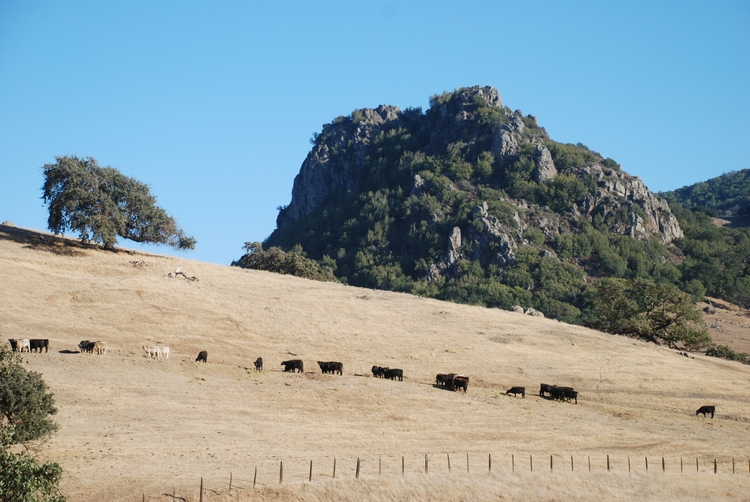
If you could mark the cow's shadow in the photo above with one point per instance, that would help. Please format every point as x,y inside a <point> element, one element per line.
<point>66,351</point>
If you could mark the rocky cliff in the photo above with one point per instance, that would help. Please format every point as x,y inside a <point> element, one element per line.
<point>476,119</point>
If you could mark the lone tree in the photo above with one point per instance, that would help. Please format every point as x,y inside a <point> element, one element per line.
<point>100,203</point>
<point>651,311</point>
<point>25,406</point>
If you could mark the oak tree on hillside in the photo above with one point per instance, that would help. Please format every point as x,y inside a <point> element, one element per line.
<point>651,311</point>
<point>100,203</point>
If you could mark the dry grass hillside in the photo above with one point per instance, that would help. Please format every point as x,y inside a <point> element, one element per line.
<point>129,425</point>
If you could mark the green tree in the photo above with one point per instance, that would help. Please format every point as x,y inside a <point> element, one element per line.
<point>651,311</point>
<point>25,406</point>
<point>100,203</point>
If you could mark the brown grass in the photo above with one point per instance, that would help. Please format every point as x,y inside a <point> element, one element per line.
<point>131,425</point>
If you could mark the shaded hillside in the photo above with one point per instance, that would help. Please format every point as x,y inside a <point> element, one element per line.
<point>473,203</point>
<point>129,425</point>
<point>727,195</point>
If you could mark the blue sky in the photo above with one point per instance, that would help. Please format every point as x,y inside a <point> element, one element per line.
<point>213,103</point>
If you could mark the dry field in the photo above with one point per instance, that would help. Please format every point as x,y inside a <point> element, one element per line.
<point>129,425</point>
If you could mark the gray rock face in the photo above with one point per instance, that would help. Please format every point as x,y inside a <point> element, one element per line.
<point>449,259</point>
<point>495,242</point>
<point>319,175</point>
<point>517,308</point>
<point>617,188</point>
<point>545,167</point>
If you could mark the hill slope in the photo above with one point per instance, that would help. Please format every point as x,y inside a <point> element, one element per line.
<point>131,425</point>
<point>727,195</point>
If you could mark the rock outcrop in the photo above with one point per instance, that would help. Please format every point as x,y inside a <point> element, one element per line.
<point>334,166</point>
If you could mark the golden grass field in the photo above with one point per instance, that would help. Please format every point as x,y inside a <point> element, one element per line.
<point>129,425</point>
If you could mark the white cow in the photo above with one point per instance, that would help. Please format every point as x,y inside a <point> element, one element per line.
<point>164,352</point>
<point>24,343</point>
<point>156,351</point>
<point>99,347</point>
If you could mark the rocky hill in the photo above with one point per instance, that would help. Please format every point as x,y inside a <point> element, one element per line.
<point>472,202</point>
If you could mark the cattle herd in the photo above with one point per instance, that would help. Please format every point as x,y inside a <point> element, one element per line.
<point>448,381</point>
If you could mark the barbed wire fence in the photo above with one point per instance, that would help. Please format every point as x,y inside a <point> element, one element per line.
<point>375,466</point>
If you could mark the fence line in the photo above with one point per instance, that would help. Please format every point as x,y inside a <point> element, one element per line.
<point>601,464</point>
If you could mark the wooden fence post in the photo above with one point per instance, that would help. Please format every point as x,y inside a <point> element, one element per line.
<point>696,464</point>
<point>174,492</point>
<point>531,463</point>
<point>449,462</point>
<point>628,463</point>
<point>714,466</point>
<point>426,467</point>
<point>334,467</point>
<point>357,468</point>
<point>732,465</point>
<point>490,464</point>
<point>607,462</point>
<point>144,497</point>
<point>467,463</point>
<point>646,464</point>
<point>589,463</point>
<point>513,462</point>
<point>550,463</point>
<point>571,463</point>
<point>255,476</point>
<point>663,465</point>
<point>380,465</point>
<point>281,471</point>
<point>230,481</point>
<point>402,465</point>
<point>680,464</point>
<point>310,478</point>
<point>201,492</point>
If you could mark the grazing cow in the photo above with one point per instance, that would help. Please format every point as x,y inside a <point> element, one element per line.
<point>24,344</point>
<point>152,351</point>
<point>332,367</point>
<point>37,344</point>
<point>460,382</point>
<point>517,390</point>
<point>86,346</point>
<point>444,380</point>
<point>13,344</point>
<point>706,410</point>
<point>258,364</point>
<point>569,394</point>
<point>546,388</point>
<point>292,365</point>
<point>99,348</point>
<point>202,357</point>
<point>394,374</point>
<point>381,371</point>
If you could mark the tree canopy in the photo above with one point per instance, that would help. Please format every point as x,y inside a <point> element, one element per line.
<point>101,204</point>
<point>25,407</point>
<point>649,310</point>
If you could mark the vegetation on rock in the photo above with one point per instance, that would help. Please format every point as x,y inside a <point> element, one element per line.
<point>100,203</point>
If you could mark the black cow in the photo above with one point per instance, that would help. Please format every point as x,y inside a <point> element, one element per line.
<point>13,344</point>
<point>332,367</point>
<point>569,394</point>
<point>202,357</point>
<point>394,374</point>
<point>86,346</point>
<point>39,344</point>
<point>706,410</point>
<point>379,371</point>
<point>546,389</point>
<point>258,364</point>
<point>292,365</point>
<point>517,390</point>
<point>444,380</point>
<point>460,382</point>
